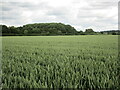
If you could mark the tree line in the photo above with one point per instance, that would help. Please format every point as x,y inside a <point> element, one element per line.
<point>46,29</point>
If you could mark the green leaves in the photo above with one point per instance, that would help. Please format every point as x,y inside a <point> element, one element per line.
<point>60,62</point>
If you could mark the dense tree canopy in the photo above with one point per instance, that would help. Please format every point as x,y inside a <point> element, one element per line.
<point>48,29</point>
<point>40,29</point>
<point>89,31</point>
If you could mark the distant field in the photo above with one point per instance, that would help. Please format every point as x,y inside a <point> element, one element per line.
<point>60,61</point>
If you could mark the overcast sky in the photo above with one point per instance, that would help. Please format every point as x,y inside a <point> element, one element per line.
<point>99,15</point>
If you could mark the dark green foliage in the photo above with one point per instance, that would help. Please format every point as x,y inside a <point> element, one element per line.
<point>111,32</point>
<point>80,33</point>
<point>89,31</point>
<point>48,29</point>
<point>5,29</point>
<point>40,29</point>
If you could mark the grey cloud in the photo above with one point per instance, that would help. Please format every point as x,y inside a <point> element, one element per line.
<point>58,11</point>
<point>100,5</point>
<point>103,5</point>
<point>43,12</point>
<point>7,6</point>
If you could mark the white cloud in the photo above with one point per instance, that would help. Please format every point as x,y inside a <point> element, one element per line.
<point>82,14</point>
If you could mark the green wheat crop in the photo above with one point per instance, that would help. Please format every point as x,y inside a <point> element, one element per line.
<point>60,61</point>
